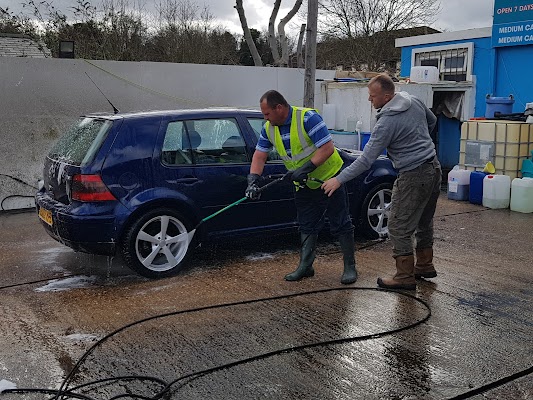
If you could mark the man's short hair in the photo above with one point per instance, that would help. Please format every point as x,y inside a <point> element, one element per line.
<point>273,98</point>
<point>386,83</point>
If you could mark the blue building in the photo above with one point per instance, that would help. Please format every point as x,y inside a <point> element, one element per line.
<point>494,61</point>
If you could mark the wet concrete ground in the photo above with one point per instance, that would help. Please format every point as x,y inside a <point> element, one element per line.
<point>314,339</point>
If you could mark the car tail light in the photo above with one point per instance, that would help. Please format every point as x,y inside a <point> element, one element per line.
<point>90,188</point>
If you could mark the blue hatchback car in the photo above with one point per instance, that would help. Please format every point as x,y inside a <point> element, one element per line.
<point>136,183</point>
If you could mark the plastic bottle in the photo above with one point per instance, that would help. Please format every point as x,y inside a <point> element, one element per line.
<point>476,187</point>
<point>522,195</point>
<point>358,127</point>
<point>527,167</point>
<point>350,124</point>
<point>458,183</point>
<point>496,191</point>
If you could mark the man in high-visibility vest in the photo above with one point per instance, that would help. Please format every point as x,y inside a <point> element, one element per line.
<point>303,142</point>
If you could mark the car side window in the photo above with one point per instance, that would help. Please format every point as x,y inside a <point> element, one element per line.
<point>176,149</point>
<point>257,125</point>
<point>215,141</point>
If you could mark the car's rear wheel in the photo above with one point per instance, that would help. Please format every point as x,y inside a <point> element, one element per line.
<point>157,244</point>
<point>375,211</point>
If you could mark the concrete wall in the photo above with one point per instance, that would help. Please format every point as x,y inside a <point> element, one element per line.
<point>40,98</point>
<point>351,101</point>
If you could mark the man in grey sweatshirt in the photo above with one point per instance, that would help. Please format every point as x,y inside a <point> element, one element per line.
<point>403,127</point>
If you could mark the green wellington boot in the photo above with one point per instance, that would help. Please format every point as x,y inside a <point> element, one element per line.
<point>348,253</point>
<point>307,256</point>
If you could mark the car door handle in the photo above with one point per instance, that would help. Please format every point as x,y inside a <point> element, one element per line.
<point>186,180</point>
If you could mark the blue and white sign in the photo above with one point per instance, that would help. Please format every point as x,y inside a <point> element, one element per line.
<point>513,23</point>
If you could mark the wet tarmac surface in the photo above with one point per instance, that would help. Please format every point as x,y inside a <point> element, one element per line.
<point>229,326</point>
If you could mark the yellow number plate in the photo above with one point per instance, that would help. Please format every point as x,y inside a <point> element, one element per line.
<point>46,216</point>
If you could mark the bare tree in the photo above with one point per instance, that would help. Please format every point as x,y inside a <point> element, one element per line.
<point>247,34</point>
<point>124,30</point>
<point>361,33</point>
<point>272,37</point>
<point>281,30</point>
<point>10,23</point>
<point>299,62</point>
<point>187,33</point>
<point>355,18</point>
<point>283,40</point>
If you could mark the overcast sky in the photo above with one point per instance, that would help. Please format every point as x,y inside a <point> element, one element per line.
<point>455,14</point>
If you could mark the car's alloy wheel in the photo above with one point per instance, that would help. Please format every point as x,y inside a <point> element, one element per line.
<point>376,210</point>
<point>157,244</point>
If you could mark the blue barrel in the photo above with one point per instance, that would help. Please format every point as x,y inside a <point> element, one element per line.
<point>503,105</point>
<point>475,195</point>
<point>365,137</point>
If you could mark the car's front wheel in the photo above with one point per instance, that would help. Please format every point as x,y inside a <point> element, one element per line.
<point>375,211</point>
<point>157,244</point>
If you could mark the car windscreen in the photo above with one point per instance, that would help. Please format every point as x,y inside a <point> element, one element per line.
<point>81,142</point>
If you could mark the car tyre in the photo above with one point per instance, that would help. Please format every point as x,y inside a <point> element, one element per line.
<point>156,245</point>
<point>375,212</point>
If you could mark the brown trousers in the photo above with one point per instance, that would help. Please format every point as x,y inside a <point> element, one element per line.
<point>414,200</point>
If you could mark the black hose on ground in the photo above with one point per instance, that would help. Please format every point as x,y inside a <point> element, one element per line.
<point>15,195</point>
<point>64,392</point>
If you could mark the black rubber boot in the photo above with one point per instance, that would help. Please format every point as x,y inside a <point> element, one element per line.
<point>307,256</point>
<point>348,253</point>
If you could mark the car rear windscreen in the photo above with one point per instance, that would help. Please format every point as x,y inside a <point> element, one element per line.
<point>81,142</point>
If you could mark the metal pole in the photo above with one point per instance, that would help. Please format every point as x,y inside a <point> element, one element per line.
<point>310,54</point>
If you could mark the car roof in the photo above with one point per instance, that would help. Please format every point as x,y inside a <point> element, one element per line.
<point>200,112</point>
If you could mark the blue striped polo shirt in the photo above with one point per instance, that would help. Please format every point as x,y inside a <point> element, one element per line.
<point>314,126</point>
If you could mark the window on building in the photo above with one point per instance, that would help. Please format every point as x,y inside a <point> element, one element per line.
<point>454,63</point>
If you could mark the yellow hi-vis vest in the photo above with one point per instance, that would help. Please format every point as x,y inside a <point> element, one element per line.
<point>302,149</point>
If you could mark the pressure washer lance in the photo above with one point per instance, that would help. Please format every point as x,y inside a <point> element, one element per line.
<point>190,234</point>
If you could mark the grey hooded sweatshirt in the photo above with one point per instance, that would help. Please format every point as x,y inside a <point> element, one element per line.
<point>402,127</point>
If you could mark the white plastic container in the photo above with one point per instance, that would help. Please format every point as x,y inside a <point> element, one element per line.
<point>496,191</point>
<point>458,184</point>
<point>424,75</point>
<point>358,128</point>
<point>522,195</point>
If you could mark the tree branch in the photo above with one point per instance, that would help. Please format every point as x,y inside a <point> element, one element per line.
<point>248,35</point>
<point>272,40</point>
<point>281,31</point>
